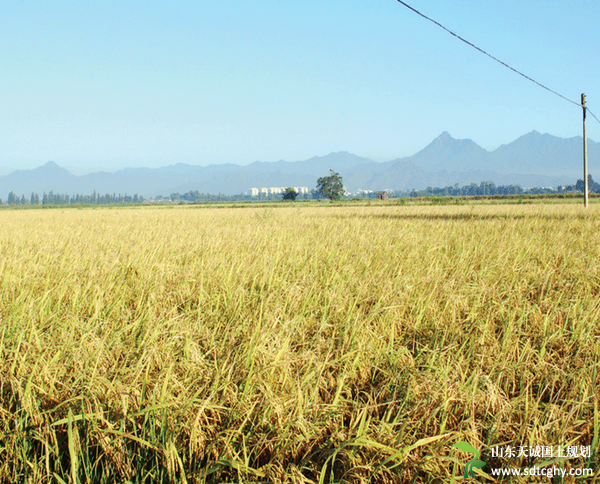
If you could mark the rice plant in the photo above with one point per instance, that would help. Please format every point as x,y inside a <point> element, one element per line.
<point>297,344</point>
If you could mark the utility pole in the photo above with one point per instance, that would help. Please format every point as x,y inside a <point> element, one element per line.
<point>585,164</point>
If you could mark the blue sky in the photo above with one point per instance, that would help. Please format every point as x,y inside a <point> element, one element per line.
<point>105,85</point>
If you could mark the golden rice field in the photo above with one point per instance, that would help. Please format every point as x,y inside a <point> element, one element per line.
<point>296,344</point>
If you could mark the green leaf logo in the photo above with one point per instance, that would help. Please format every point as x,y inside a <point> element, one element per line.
<point>473,463</point>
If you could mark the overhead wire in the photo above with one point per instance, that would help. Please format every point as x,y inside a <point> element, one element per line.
<point>491,56</point>
<point>593,115</point>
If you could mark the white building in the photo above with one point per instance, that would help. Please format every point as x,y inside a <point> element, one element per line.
<point>255,192</point>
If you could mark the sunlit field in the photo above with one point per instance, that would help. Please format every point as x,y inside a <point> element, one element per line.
<point>295,344</point>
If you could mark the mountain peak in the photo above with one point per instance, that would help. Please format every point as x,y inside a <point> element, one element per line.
<point>537,137</point>
<point>50,165</point>
<point>533,135</point>
<point>447,153</point>
<point>445,137</point>
<point>50,169</point>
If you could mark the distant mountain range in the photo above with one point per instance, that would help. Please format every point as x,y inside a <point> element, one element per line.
<point>532,160</point>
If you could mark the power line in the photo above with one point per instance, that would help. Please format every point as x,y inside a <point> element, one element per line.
<point>490,56</point>
<point>594,116</point>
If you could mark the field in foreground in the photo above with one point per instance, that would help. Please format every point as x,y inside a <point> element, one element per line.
<point>296,344</point>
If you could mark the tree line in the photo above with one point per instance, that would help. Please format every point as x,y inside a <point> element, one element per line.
<point>52,198</point>
<point>194,196</point>
<point>327,187</point>
<point>489,188</point>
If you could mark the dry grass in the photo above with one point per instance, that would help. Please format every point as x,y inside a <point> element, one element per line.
<point>296,344</point>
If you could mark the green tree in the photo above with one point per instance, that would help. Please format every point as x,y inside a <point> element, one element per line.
<point>331,186</point>
<point>290,194</point>
<point>592,185</point>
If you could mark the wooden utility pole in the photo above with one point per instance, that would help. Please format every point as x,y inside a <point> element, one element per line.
<point>585,164</point>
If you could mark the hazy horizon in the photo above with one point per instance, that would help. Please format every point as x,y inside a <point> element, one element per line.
<point>81,171</point>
